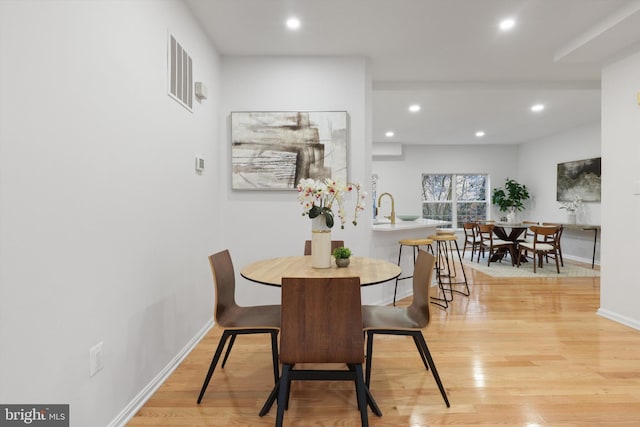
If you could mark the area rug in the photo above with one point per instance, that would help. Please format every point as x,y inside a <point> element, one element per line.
<point>504,269</point>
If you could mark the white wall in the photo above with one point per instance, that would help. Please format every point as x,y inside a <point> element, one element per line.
<point>620,206</point>
<point>402,176</point>
<point>263,224</point>
<point>537,167</point>
<point>105,225</point>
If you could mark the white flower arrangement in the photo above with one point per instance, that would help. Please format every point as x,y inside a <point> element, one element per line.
<point>318,197</point>
<point>573,205</point>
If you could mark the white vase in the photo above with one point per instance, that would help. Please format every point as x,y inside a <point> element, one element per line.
<point>571,218</point>
<point>320,243</point>
<point>511,216</point>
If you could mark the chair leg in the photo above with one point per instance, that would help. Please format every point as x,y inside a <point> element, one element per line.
<point>223,339</point>
<point>561,259</point>
<point>274,356</point>
<point>361,394</point>
<point>269,402</point>
<point>418,346</point>
<point>434,371</point>
<point>226,354</point>
<point>369,357</point>
<point>282,394</point>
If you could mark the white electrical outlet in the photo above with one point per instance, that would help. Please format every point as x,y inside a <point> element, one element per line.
<point>96,359</point>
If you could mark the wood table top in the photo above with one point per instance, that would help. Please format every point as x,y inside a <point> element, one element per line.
<point>271,271</point>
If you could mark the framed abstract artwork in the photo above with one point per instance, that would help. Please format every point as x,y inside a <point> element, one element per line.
<point>579,179</point>
<point>273,150</point>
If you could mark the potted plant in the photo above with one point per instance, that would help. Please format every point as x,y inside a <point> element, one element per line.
<point>510,198</point>
<point>342,256</point>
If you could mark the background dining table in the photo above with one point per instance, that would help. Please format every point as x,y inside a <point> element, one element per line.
<point>509,231</point>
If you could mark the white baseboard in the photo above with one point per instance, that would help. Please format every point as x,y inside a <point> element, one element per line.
<point>134,406</point>
<point>580,259</point>
<point>627,321</point>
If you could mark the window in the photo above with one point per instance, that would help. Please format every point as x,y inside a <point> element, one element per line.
<point>467,203</point>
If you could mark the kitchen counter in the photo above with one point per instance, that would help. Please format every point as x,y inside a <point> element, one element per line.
<point>407,225</point>
<point>384,245</point>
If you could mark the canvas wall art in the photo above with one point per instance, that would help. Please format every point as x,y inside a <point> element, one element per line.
<point>273,150</point>
<point>579,179</point>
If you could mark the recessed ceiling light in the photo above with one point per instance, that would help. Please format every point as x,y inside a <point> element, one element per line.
<point>389,134</point>
<point>507,24</point>
<point>480,133</point>
<point>293,23</point>
<point>537,108</point>
<point>414,108</point>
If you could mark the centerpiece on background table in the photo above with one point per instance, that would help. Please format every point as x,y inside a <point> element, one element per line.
<point>572,208</point>
<point>510,198</point>
<point>318,199</point>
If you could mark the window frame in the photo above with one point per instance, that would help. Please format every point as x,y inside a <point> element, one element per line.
<point>454,196</point>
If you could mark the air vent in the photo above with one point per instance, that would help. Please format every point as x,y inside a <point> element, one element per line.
<point>180,74</point>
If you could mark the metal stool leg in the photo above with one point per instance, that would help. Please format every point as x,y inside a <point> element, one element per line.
<point>440,273</point>
<point>464,275</point>
<point>415,246</point>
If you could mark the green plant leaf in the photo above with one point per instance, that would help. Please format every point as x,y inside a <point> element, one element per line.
<point>341,252</point>
<point>328,215</point>
<point>314,211</point>
<point>511,196</point>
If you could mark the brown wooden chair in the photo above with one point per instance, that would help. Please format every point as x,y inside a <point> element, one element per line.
<point>558,239</point>
<point>408,321</point>
<point>543,244</point>
<point>334,244</point>
<point>528,234</point>
<point>493,244</point>
<point>321,323</point>
<point>236,320</point>
<point>470,238</point>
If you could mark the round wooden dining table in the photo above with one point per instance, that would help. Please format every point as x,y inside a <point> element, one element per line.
<point>371,271</point>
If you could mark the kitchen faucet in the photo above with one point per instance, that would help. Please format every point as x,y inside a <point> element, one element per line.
<point>392,217</point>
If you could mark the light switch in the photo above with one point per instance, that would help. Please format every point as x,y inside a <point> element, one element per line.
<point>199,164</point>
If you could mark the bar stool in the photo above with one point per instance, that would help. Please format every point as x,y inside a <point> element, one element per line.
<point>415,244</point>
<point>446,242</point>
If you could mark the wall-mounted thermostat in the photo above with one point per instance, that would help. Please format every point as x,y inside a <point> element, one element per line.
<point>199,164</point>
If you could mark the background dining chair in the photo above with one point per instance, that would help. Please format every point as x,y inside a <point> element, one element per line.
<point>236,320</point>
<point>409,320</point>
<point>543,245</point>
<point>334,244</point>
<point>470,238</point>
<point>528,234</point>
<point>493,244</point>
<point>321,323</point>
<point>558,239</point>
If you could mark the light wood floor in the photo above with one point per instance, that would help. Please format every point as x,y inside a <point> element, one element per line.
<point>517,352</point>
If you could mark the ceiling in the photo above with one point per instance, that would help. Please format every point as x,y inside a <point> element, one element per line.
<point>448,56</point>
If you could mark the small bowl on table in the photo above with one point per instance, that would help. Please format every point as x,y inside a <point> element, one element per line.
<point>408,217</point>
